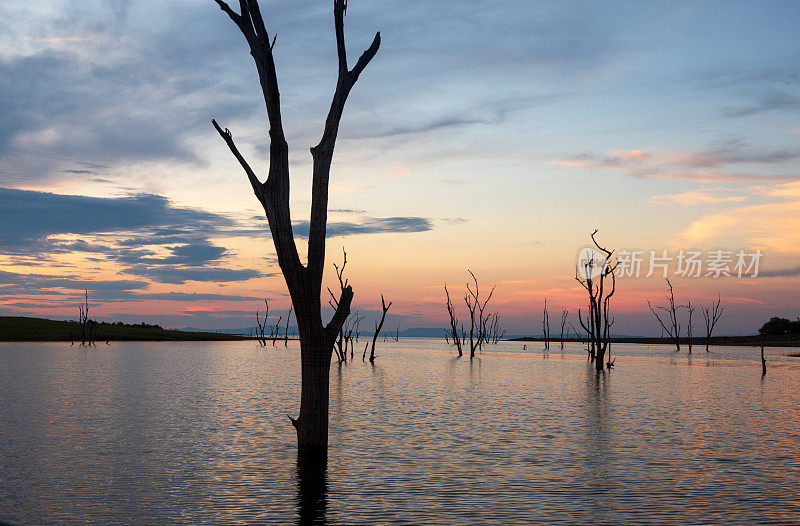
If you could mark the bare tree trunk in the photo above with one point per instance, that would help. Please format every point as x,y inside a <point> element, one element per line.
<point>600,319</point>
<point>711,316</point>
<point>546,327</point>
<point>303,281</point>
<point>673,328</point>
<point>286,332</point>
<point>453,322</point>
<point>763,362</point>
<point>475,307</point>
<point>378,327</point>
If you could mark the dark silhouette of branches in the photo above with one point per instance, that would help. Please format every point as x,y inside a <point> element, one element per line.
<point>476,307</point>
<point>711,316</point>
<point>546,327</point>
<point>594,280</point>
<point>671,325</point>
<point>286,330</point>
<point>378,327</point>
<point>457,340</point>
<point>303,281</point>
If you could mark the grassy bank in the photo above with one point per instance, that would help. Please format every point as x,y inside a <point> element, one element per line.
<point>23,329</point>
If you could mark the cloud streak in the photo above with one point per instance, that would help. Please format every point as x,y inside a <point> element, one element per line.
<point>712,164</point>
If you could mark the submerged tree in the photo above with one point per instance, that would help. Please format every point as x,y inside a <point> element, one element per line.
<point>711,316</point>
<point>87,326</point>
<point>378,327</point>
<point>546,326</point>
<point>451,311</point>
<point>262,325</point>
<point>476,307</point>
<point>593,278</point>
<point>564,315</point>
<point>689,327</point>
<point>286,331</point>
<point>303,281</point>
<point>671,326</point>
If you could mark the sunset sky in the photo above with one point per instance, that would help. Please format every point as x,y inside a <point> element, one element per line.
<point>492,135</point>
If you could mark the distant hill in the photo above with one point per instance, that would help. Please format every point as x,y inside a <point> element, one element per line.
<point>23,329</point>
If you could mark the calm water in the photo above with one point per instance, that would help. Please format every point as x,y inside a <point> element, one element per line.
<point>196,433</point>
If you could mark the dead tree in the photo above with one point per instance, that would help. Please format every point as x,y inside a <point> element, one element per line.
<point>276,331</point>
<point>588,327</point>
<point>600,294</point>
<point>262,326</point>
<point>351,332</point>
<point>711,315</point>
<point>546,327</point>
<point>671,326</point>
<point>690,309</point>
<point>564,314</point>
<point>286,331</point>
<point>763,361</point>
<point>83,319</point>
<point>495,331</point>
<point>457,340</point>
<point>476,308</point>
<point>303,281</point>
<point>397,333</point>
<point>378,327</point>
<point>341,352</point>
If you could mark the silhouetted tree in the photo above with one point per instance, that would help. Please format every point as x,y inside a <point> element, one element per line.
<point>564,314</point>
<point>286,331</point>
<point>780,327</point>
<point>689,327</point>
<point>546,327</point>
<point>599,320</point>
<point>303,281</point>
<point>671,326</point>
<point>477,329</point>
<point>341,344</point>
<point>378,327</point>
<point>262,325</point>
<point>457,340</point>
<point>495,332</point>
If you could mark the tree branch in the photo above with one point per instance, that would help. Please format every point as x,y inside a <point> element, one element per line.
<point>322,153</point>
<point>258,187</point>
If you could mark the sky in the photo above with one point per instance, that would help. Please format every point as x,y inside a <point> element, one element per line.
<point>493,136</point>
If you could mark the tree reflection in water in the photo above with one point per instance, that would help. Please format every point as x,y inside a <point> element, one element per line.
<point>312,488</point>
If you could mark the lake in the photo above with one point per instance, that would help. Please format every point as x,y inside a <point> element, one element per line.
<point>193,433</point>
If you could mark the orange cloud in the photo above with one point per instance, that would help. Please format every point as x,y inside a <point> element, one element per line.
<point>693,198</point>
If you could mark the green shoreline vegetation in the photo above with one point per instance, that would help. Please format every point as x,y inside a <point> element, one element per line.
<point>24,329</point>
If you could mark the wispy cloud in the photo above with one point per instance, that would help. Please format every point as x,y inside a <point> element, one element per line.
<point>694,198</point>
<point>713,164</point>
<point>776,100</point>
<point>370,225</point>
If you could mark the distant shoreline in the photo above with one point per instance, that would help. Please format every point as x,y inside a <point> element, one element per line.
<point>732,341</point>
<point>25,329</point>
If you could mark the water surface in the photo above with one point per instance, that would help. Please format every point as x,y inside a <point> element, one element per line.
<point>197,433</point>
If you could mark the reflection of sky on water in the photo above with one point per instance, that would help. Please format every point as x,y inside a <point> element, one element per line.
<point>196,432</point>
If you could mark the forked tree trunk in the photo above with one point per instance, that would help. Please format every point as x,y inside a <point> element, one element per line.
<point>303,281</point>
